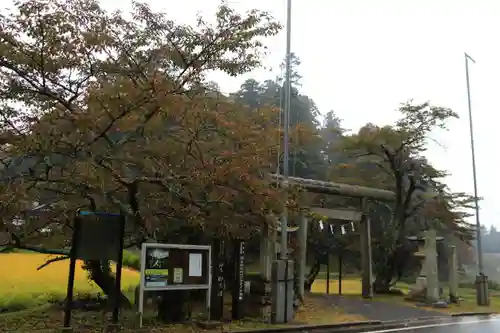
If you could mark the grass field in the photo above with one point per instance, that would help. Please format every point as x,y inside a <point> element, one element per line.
<point>22,286</point>
<point>350,286</point>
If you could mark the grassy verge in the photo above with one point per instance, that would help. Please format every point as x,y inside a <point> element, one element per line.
<point>352,287</point>
<point>467,303</point>
<point>47,319</point>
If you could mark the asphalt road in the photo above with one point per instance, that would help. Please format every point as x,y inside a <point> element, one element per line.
<point>460,325</point>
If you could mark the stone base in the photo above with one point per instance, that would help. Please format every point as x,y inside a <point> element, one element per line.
<point>419,290</point>
<point>417,293</point>
<point>420,283</point>
<point>482,292</point>
<point>420,296</point>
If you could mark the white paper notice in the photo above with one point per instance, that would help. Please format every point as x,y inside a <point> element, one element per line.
<point>195,264</point>
<point>177,275</point>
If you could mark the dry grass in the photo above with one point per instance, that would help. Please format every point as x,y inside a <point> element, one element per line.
<point>23,286</point>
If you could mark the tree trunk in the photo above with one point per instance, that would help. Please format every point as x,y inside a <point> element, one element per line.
<point>106,281</point>
<point>313,273</point>
<point>383,270</point>
<point>382,284</point>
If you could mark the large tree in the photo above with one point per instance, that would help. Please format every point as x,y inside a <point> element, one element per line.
<point>393,158</point>
<point>306,159</point>
<point>104,112</point>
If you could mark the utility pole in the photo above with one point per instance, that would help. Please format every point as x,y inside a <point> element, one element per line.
<point>481,280</point>
<point>286,129</point>
<point>282,280</point>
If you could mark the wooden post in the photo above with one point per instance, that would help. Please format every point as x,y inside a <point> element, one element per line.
<point>218,283</point>
<point>453,274</point>
<point>340,273</point>
<point>302,238</point>
<point>118,278</point>
<point>366,253</point>
<point>71,275</point>
<point>328,273</point>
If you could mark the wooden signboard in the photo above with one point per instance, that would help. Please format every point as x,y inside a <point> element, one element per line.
<point>167,267</point>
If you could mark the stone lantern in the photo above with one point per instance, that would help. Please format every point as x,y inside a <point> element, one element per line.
<point>426,287</point>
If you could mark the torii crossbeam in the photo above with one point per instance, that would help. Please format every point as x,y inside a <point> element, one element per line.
<point>353,191</point>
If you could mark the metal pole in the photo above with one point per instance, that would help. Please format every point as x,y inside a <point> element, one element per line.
<point>482,295</point>
<point>472,148</point>
<point>284,223</point>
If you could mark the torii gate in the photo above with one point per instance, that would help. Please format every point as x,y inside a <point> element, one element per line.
<point>330,188</point>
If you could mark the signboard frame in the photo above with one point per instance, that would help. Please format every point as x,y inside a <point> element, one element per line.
<point>187,247</point>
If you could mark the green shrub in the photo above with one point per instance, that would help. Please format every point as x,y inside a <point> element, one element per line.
<point>131,260</point>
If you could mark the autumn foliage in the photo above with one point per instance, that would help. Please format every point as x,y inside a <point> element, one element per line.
<point>116,114</point>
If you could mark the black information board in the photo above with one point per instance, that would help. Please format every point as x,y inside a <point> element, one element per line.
<point>98,236</point>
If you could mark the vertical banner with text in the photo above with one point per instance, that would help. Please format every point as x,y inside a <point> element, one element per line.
<point>218,282</point>
<point>239,290</point>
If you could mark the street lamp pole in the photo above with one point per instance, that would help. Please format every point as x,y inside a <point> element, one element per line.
<point>286,125</point>
<point>482,297</point>
<point>474,173</point>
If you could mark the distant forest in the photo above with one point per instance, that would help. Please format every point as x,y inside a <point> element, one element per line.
<point>491,240</point>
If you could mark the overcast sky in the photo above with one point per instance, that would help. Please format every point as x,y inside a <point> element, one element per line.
<point>361,58</point>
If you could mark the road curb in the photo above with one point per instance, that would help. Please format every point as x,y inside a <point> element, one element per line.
<point>354,327</point>
<point>302,328</point>
<point>387,325</point>
<point>416,319</point>
<point>470,314</point>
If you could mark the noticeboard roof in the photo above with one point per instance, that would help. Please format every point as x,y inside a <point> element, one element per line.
<point>87,213</point>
